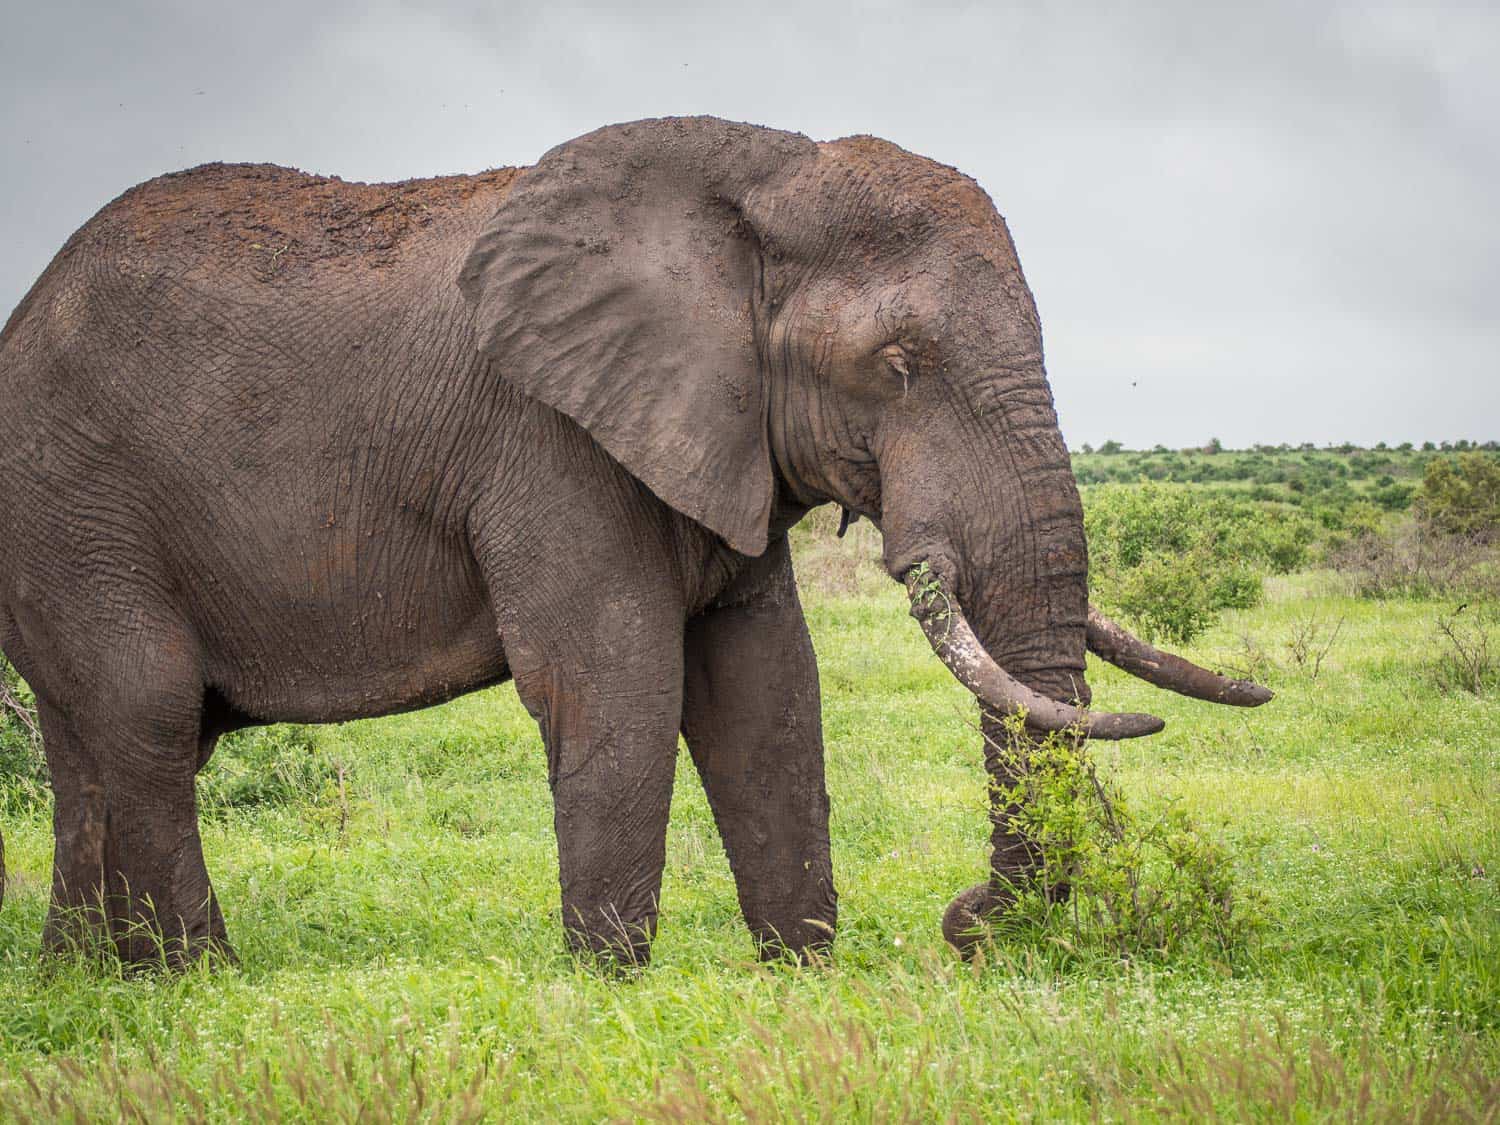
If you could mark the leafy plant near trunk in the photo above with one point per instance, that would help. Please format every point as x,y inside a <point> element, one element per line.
<point>1144,881</point>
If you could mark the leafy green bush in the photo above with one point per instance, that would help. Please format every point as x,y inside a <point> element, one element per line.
<point>1461,495</point>
<point>1392,496</point>
<point>1142,881</point>
<point>1175,597</point>
<point>1170,557</point>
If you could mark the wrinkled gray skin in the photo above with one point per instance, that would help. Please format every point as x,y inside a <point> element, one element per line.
<point>279,448</point>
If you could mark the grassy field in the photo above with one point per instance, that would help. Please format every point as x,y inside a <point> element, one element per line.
<point>391,887</point>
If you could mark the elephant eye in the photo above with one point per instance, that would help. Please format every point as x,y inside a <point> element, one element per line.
<point>895,356</point>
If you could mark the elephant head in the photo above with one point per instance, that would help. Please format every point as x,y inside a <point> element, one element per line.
<point>744,318</point>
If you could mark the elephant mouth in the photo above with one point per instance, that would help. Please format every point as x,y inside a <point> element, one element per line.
<point>953,640</point>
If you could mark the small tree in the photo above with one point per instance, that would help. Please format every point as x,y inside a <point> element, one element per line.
<point>1461,495</point>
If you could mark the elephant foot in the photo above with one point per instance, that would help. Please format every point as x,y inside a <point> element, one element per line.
<point>966,922</point>
<point>132,934</point>
<point>794,938</point>
<point>134,946</point>
<point>621,952</point>
<point>800,951</point>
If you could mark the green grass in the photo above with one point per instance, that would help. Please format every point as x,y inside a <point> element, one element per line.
<point>400,947</point>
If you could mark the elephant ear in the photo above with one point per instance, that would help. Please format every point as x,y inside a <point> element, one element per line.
<point>615,284</point>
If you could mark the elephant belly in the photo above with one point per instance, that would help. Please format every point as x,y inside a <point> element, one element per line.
<point>317,644</point>
<point>322,691</point>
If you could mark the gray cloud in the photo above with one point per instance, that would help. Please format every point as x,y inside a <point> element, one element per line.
<point>1267,223</point>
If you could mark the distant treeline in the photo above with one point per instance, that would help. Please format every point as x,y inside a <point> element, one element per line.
<point>1329,478</point>
<point>1214,446</point>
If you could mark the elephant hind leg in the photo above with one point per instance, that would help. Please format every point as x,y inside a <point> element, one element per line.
<point>122,729</point>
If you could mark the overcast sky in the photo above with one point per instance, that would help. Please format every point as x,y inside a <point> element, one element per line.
<point>1262,222</point>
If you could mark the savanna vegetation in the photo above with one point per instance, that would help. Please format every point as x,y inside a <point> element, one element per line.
<point>1284,914</point>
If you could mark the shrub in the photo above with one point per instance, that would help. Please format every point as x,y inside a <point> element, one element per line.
<point>1169,557</point>
<point>1416,561</point>
<point>1461,495</point>
<point>1393,497</point>
<point>1469,651</point>
<point>1142,882</point>
<point>1162,596</point>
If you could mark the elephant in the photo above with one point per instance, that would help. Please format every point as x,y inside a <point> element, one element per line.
<point>284,448</point>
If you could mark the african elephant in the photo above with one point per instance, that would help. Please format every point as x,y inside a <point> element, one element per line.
<point>284,448</point>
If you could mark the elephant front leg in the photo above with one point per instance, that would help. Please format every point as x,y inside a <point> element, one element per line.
<point>753,721</point>
<point>610,728</point>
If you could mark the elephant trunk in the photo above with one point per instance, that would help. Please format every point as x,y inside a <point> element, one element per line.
<point>999,588</point>
<point>984,526</point>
